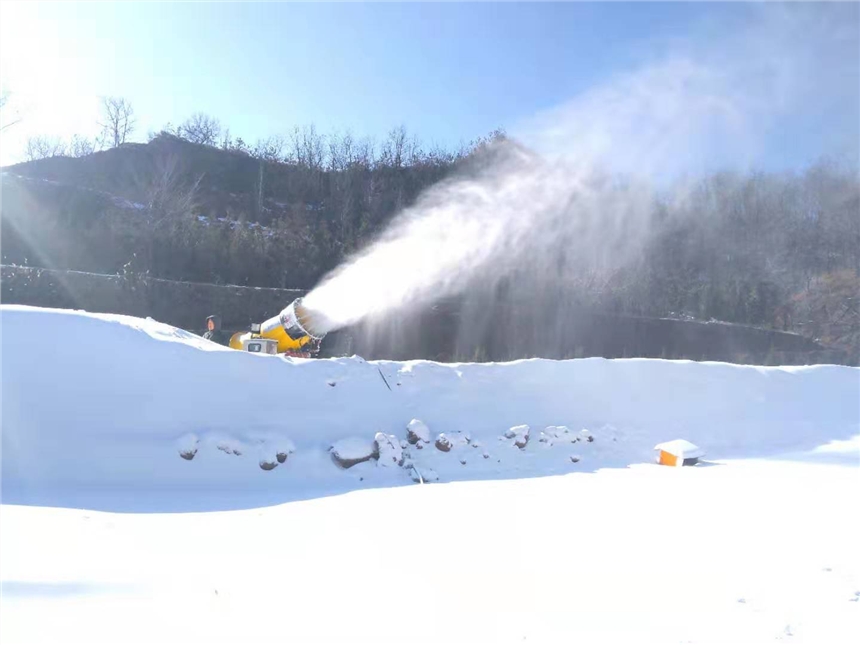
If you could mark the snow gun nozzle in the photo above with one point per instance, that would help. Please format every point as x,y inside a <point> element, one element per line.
<point>298,321</point>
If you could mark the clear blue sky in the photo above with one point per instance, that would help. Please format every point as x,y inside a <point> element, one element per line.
<point>449,72</point>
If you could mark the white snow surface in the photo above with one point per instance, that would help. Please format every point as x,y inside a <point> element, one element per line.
<point>104,538</point>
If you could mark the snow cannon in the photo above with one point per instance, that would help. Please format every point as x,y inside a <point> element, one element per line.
<point>295,330</point>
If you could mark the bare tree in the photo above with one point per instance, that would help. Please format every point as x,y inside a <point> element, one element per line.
<point>270,148</point>
<point>201,128</point>
<point>168,190</point>
<point>40,147</point>
<point>117,122</point>
<point>394,148</point>
<point>226,140</point>
<point>414,151</point>
<point>341,151</point>
<point>81,146</point>
<point>439,156</point>
<point>170,194</point>
<point>365,149</point>
<point>167,130</point>
<point>308,147</point>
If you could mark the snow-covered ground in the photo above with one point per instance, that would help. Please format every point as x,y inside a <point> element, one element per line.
<point>118,431</point>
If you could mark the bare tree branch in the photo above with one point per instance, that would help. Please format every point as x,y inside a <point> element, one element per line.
<point>117,121</point>
<point>201,128</point>
<point>81,146</point>
<point>270,149</point>
<point>40,147</point>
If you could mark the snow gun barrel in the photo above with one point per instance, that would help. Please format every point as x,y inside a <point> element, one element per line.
<point>294,328</point>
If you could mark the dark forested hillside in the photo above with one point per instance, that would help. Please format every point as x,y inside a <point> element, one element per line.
<point>774,250</point>
<point>189,211</point>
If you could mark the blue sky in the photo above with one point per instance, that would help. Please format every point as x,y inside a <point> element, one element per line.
<point>449,72</point>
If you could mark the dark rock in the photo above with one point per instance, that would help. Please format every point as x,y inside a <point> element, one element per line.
<point>265,464</point>
<point>443,443</point>
<point>349,462</point>
<point>520,435</point>
<point>188,454</point>
<point>417,432</point>
<point>387,449</point>
<point>282,457</point>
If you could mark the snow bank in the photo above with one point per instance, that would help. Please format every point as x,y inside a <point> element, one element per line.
<point>90,415</point>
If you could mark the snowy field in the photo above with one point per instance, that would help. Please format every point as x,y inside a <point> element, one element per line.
<point>560,531</point>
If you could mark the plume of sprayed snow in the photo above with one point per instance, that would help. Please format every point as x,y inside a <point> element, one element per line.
<point>517,209</point>
<point>556,213</point>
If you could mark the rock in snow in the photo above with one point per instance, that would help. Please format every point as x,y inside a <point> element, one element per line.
<point>520,435</point>
<point>388,450</point>
<point>352,450</point>
<point>443,443</point>
<point>417,431</point>
<point>187,446</point>
<point>268,457</point>
<point>550,434</point>
<point>268,464</point>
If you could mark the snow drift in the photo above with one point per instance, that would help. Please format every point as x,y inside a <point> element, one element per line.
<point>97,409</point>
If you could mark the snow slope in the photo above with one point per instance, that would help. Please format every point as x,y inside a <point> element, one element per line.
<point>767,554</point>
<point>96,409</point>
<point>757,544</point>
